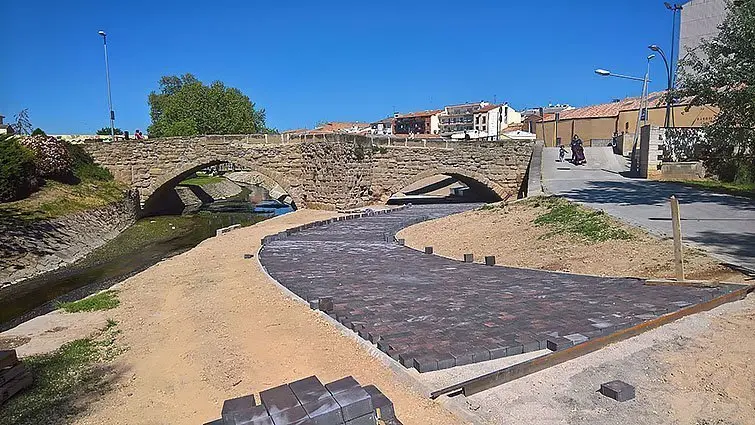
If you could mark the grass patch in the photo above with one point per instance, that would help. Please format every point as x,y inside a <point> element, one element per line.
<point>57,199</point>
<point>201,179</point>
<point>564,217</point>
<point>739,189</point>
<point>102,301</point>
<point>64,381</point>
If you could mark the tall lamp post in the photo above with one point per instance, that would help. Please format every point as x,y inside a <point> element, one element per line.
<point>642,114</point>
<point>674,9</point>
<point>669,88</point>
<point>109,96</point>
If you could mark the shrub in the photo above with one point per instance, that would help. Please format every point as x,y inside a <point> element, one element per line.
<point>18,174</point>
<point>83,165</point>
<point>38,132</point>
<point>51,157</point>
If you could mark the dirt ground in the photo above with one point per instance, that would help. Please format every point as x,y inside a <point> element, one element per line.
<point>510,235</point>
<point>209,325</point>
<point>698,370</point>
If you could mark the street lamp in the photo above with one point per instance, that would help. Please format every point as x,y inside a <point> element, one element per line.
<point>673,8</point>
<point>109,96</point>
<point>643,98</point>
<point>669,97</point>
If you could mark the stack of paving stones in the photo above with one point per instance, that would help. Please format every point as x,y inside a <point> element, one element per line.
<point>309,402</point>
<point>429,312</point>
<point>13,375</point>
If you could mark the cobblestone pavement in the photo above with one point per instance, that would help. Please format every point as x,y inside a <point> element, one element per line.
<point>431,312</point>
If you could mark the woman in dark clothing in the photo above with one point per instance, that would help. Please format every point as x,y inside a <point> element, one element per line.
<point>577,151</point>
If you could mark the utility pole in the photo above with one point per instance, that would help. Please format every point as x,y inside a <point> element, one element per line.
<point>109,95</point>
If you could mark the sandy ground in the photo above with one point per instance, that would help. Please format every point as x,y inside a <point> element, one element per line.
<point>510,235</point>
<point>698,370</point>
<point>209,325</point>
<point>47,333</point>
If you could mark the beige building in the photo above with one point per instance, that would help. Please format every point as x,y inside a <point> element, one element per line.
<point>459,118</point>
<point>597,124</point>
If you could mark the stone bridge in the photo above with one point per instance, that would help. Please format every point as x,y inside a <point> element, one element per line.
<point>322,171</point>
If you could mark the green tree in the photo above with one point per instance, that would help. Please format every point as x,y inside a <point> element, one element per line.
<point>722,73</point>
<point>184,106</point>
<point>23,123</point>
<point>105,131</point>
<point>38,132</point>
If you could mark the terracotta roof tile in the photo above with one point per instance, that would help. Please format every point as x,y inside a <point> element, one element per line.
<point>421,113</point>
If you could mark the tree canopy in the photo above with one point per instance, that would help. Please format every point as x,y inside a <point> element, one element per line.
<point>722,73</point>
<point>105,131</point>
<point>184,106</point>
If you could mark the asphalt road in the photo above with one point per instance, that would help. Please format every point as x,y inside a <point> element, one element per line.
<point>723,225</point>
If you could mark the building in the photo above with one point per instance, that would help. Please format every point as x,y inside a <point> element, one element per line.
<point>383,127</point>
<point>700,20</point>
<point>492,120</point>
<point>422,122</point>
<point>5,128</point>
<point>332,127</point>
<point>596,125</point>
<point>459,118</point>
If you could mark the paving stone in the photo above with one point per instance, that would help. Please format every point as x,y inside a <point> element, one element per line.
<point>237,405</point>
<point>428,250</point>
<point>382,404</point>
<point>309,390</point>
<point>490,260</point>
<point>497,353</point>
<point>368,419</point>
<point>617,390</point>
<point>341,385</point>
<point>324,411</point>
<point>292,416</point>
<point>559,343</point>
<point>355,402</point>
<point>256,415</point>
<point>278,399</point>
<point>425,364</point>
<point>469,258</point>
<point>434,304</point>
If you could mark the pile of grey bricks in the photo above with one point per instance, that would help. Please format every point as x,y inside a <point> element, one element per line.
<point>13,375</point>
<point>309,402</point>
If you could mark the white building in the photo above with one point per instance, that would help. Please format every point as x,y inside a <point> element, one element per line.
<point>492,120</point>
<point>700,20</point>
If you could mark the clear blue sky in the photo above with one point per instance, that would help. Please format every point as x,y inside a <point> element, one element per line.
<point>307,61</point>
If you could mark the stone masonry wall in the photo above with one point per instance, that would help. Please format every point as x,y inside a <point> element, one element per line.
<point>330,171</point>
<point>41,246</point>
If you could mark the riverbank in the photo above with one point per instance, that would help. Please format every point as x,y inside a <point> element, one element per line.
<point>208,325</point>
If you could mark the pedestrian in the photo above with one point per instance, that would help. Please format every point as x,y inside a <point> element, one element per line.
<point>577,151</point>
<point>561,153</point>
<point>138,135</point>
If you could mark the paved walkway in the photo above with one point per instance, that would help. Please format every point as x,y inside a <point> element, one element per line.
<point>723,225</point>
<point>432,313</point>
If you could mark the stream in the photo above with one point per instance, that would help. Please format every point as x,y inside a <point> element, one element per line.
<point>145,243</point>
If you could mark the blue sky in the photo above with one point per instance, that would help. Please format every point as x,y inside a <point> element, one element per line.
<point>307,61</point>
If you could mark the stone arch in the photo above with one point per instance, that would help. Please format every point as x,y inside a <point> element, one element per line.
<point>172,177</point>
<point>470,178</point>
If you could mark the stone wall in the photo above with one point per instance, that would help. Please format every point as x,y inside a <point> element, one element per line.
<point>28,249</point>
<point>324,171</point>
<point>221,190</point>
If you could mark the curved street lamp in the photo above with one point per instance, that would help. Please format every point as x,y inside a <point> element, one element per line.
<point>669,97</point>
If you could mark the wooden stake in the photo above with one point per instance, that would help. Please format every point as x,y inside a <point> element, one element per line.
<point>676,224</point>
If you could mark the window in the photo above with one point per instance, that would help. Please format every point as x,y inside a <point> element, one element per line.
<point>477,120</point>
<point>483,119</point>
<point>626,126</point>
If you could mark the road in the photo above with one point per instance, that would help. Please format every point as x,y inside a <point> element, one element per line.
<point>723,225</point>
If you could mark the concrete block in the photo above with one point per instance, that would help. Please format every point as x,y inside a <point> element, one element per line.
<point>428,250</point>
<point>257,415</point>
<point>490,260</point>
<point>248,256</point>
<point>235,405</point>
<point>355,402</point>
<point>401,241</point>
<point>480,355</point>
<point>341,385</point>
<point>463,358</point>
<point>314,304</point>
<point>278,399</point>
<point>558,343</point>
<point>497,353</point>
<point>309,390</point>
<point>425,364</point>
<point>617,390</point>
<point>514,349</point>
<point>326,304</point>
<point>290,416</point>
<point>368,419</point>
<point>446,362</point>
<point>324,411</point>
<point>576,338</point>
<point>7,358</point>
<point>469,258</point>
<point>382,404</point>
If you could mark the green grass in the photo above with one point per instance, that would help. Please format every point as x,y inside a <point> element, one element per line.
<point>65,381</point>
<point>201,179</point>
<point>564,217</point>
<point>102,301</point>
<point>740,189</point>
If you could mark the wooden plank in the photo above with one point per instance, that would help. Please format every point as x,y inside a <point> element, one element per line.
<point>10,373</point>
<point>11,388</point>
<point>502,376</point>
<point>8,358</point>
<point>676,226</point>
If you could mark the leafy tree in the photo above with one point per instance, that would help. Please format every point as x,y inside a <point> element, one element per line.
<point>38,132</point>
<point>722,73</point>
<point>185,106</point>
<point>23,123</point>
<point>105,131</point>
<point>18,173</point>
